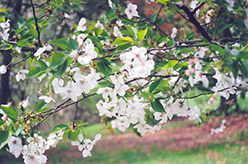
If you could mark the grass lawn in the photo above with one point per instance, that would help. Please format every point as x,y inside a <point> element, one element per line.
<point>215,153</point>
<point>212,154</point>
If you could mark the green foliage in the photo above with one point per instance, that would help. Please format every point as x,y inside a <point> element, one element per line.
<point>4,139</point>
<point>11,112</point>
<point>157,106</point>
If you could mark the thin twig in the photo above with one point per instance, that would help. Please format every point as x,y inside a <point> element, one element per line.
<point>36,23</point>
<point>159,12</point>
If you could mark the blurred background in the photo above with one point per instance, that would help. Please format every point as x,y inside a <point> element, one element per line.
<point>179,141</point>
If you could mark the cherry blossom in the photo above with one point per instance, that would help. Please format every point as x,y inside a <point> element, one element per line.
<point>6,27</point>
<point>99,25</point>
<point>47,99</point>
<point>21,75</point>
<point>119,23</point>
<point>40,51</point>
<point>174,32</point>
<point>117,32</point>
<point>15,146</point>
<point>24,103</point>
<point>220,129</point>
<point>131,11</point>
<point>3,69</point>
<point>86,145</point>
<point>81,25</point>
<point>88,55</point>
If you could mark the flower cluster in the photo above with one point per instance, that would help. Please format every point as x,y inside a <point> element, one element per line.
<point>81,84</point>
<point>5,29</point>
<point>33,151</point>
<point>86,145</point>
<point>220,129</point>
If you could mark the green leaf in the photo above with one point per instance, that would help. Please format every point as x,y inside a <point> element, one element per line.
<point>4,139</point>
<point>59,127</point>
<point>123,46</point>
<point>83,124</point>
<point>40,105</point>
<point>141,34</point>
<point>171,64</point>
<point>18,130</point>
<point>58,59</point>
<point>215,47</point>
<point>73,44</point>
<point>243,55</point>
<point>171,43</point>
<point>124,40</point>
<point>32,31</point>
<point>130,30</point>
<point>73,135</point>
<point>11,112</point>
<point>2,10</point>
<point>154,85</point>
<point>163,1</point>
<point>104,67</point>
<point>157,106</point>
<point>179,65</point>
<point>62,43</point>
<point>42,64</point>
<point>61,69</point>
<point>33,72</point>
<point>222,28</point>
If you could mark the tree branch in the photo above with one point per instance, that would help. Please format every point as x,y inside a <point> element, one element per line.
<point>193,20</point>
<point>36,23</point>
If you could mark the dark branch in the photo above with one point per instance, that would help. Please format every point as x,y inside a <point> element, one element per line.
<point>193,20</point>
<point>36,23</point>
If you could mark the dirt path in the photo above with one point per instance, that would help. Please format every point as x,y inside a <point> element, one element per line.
<point>182,138</point>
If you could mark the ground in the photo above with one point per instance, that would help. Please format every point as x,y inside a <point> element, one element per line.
<point>179,141</point>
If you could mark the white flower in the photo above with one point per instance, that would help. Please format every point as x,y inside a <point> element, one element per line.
<point>81,25</point>
<point>73,54</point>
<point>15,146</point>
<point>117,32</point>
<point>48,47</point>
<point>119,23</point>
<point>57,85</point>
<point>21,75</point>
<point>99,25</point>
<point>80,39</point>
<point>39,52</point>
<point>230,5</point>
<point>54,138</point>
<point>35,159</point>
<point>24,103</point>
<point>70,91</point>
<point>47,99</point>
<point>5,25</point>
<point>174,32</point>
<point>121,89</point>
<point>98,137</point>
<point>131,11</point>
<point>88,55</point>
<point>67,16</point>
<point>3,69</point>
<point>220,129</point>
<point>105,92</point>
<point>160,116</point>
<point>193,4</point>
<point>79,143</point>
<point>194,114</point>
<point>110,3</point>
